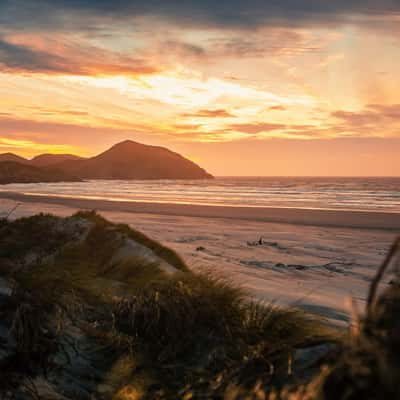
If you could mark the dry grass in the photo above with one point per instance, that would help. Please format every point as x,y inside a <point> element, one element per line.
<point>165,253</point>
<point>33,337</point>
<point>200,334</point>
<point>36,234</point>
<point>367,365</point>
<point>159,336</point>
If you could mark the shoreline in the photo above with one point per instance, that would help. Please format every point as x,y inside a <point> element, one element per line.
<point>294,216</point>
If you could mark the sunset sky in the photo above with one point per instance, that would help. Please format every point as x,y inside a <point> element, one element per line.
<point>257,87</point>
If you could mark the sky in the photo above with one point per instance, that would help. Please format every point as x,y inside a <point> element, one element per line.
<point>256,87</point>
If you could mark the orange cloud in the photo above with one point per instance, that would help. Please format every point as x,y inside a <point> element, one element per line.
<point>374,119</point>
<point>218,113</point>
<point>277,108</point>
<point>254,128</point>
<point>32,55</point>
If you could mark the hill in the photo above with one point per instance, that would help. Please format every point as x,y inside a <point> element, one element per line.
<point>13,157</point>
<point>125,160</point>
<point>132,160</point>
<point>16,172</point>
<point>44,160</point>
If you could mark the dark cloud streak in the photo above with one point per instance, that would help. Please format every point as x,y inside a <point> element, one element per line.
<point>93,62</point>
<point>18,57</point>
<point>222,14</point>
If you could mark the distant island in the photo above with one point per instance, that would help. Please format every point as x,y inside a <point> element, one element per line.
<point>126,160</point>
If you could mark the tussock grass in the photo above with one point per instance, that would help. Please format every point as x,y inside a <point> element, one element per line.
<point>33,338</point>
<point>135,273</point>
<point>162,314</point>
<point>165,253</point>
<point>159,336</point>
<point>200,332</point>
<point>36,234</point>
<point>85,269</point>
<point>367,364</point>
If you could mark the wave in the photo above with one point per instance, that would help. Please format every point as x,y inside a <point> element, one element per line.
<point>380,194</point>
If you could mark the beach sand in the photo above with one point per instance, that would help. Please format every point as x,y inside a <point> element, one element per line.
<point>321,261</point>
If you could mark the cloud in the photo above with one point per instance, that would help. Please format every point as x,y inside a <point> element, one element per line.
<point>356,118</point>
<point>376,116</point>
<point>181,48</point>
<point>388,111</point>
<point>187,127</point>
<point>224,13</point>
<point>61,133</point>
<point>22,58</point>
<point>374,120</point>
<point>217,113</point>
<point>69,60</point>
<point>149,32</point>
<point>277,108</point>
<point>273,41</point>
<point>255,128</point>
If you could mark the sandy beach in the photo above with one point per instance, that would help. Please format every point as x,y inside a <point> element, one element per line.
<point>313,217</point>
<point>315,259</point>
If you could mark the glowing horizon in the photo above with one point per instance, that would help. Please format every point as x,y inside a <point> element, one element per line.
<point>242,90</point>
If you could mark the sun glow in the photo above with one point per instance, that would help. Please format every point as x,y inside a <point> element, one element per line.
<point>192,86</point>
<point>29,148</point>
<point>188,90</point>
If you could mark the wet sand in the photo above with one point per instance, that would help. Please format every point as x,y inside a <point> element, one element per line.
<point>313,217</point>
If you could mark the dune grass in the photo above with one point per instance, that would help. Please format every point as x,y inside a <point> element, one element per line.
<point>199,334</point>
<point>182,336</point>
<point>159,336</point>
<point>165,253</point>
<point>367,363</point>
<point>85,269</point>
<point>37,234</point>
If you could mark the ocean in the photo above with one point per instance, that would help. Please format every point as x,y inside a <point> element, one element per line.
<point>365,194</point>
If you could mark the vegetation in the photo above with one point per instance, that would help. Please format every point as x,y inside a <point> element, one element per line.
<point>198,334</point>
<point>76,323</point>
<point>167,254</point>
<point>21,172</point>
<point>367,364</point>
<point>37,236</point>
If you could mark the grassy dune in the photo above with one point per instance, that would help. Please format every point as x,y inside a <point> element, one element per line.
<point>78,325</point>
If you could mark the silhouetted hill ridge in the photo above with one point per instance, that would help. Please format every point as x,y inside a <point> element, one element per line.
<point>126,160</point>
<point>13,158</point>
<point>52,159</point>
<point>16,172</point>
<point>133,160</point>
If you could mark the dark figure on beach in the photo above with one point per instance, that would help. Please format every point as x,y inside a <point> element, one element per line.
<point>258,242</point>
